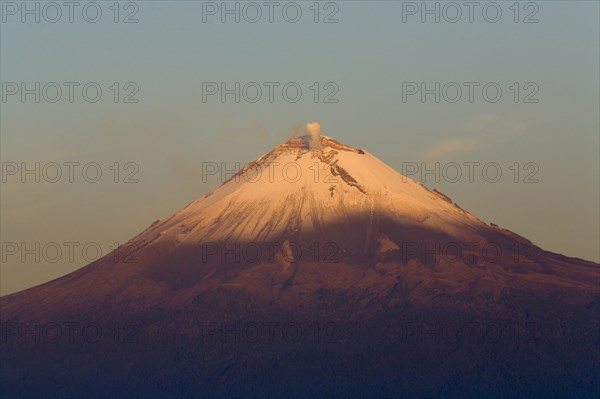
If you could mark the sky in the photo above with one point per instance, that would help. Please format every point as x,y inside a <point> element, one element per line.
<point>517,90</point>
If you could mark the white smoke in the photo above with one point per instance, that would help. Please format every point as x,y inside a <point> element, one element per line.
<point>314,130</point>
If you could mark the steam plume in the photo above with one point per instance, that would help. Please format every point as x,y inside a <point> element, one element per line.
<point>314,129</point>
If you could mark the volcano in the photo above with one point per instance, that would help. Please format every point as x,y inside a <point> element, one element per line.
<point>315,271</point>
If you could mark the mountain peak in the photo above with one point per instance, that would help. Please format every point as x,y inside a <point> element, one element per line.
<point>308,186</point>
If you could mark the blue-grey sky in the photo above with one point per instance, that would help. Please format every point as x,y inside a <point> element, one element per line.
<point>371,56</point>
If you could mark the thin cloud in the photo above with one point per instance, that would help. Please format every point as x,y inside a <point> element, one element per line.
<point>479,132</point>
<point>446,148</point>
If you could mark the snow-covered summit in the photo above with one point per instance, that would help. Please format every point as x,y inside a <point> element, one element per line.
<point>298,189</point>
